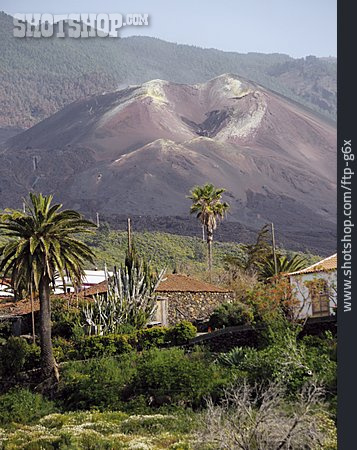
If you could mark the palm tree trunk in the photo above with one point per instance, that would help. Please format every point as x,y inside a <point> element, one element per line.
<point>32,317</point>
<point>47,360</point>
<point>209,233</point>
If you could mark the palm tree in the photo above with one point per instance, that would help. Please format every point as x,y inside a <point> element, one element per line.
<point>284,265</point>
<point>209,209</point>
<point>42,242</point>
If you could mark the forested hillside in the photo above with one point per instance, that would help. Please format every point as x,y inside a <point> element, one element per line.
<point>40,76</point>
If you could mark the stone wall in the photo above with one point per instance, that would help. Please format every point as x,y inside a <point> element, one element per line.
<point>192,306</point>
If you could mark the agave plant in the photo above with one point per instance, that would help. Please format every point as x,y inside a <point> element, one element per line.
<point>130,298</point>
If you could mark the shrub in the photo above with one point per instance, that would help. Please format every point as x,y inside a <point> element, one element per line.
<point>63,328</point>
<point>64,349</point>
<point>96,383</point>
<point>65,318</point>
<point>178,334</point>
<point>17,355</point>
<point>181,333</point>
<point>285,360</point>
<point>99,346</point>
<point>171,376</point>
<point>273,300</point>
<point>22,406</point>
<point>152,337</point>
<point>326,344</point>
<point>231,314</point>
<point>5,329</point>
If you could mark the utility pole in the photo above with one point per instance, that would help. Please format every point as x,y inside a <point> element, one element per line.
<point>274,249</point>
<point>129,236</point>
<point>97,216</point>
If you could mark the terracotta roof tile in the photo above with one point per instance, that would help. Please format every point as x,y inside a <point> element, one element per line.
<point>99,288</point>
<point>325,265</point>
<point>170,283</point>
<point>18,308</point>
<point>184,283</point>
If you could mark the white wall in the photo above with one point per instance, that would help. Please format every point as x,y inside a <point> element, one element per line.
<point>5,291</point>
<point>92,277</point>
<point>302,292</point>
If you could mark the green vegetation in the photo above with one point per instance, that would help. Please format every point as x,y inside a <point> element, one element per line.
<point>209,209</point>
<point>230,315</point>
<point>104,430</point>
<point>177,253</point>
<point>22,406</point>
<point>130,298</point>
<point>284,359</point>
<point>150,388</point>
<point>41,244</point>
<point>17,355</point>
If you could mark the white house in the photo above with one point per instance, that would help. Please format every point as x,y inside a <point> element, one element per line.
<point>5,289</point>
<point>92,277</point>
<point>316,288</point>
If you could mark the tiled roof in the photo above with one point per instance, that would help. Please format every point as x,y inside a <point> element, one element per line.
<point>99,288</point>
<point>184,283</point>
<point>325,265</point>
<point>17,308</point>
<point>170,283</point>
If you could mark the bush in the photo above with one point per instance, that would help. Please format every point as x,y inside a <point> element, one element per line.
<point>22,406</point>
<point>178,334</point>
<point>285,360</point>
<point>99,346</point>
<point>64,349</point>
<point>181,333</point>
<point>17,355</point>
<point>5,329</point>
<point>66,319</point>
<point>151,337</point>
<point>171,376</point>
<point>231,314</point>
<point>96,383</point>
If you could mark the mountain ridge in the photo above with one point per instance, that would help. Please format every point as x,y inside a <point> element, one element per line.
<point>139,150</point>
<point>41,76</point>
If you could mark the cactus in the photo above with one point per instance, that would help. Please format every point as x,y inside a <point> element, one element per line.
<point>130,298</point>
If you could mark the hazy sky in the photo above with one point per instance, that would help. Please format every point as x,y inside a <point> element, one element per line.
<point>295,27</point>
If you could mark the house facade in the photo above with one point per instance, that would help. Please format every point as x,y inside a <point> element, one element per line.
<point>315,287</point>
<point>180,297</point>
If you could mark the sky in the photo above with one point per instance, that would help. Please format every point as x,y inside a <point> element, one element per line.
<point>295,27</point>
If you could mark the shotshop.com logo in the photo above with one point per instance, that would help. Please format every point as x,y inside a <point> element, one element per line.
<point>81,25</point>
